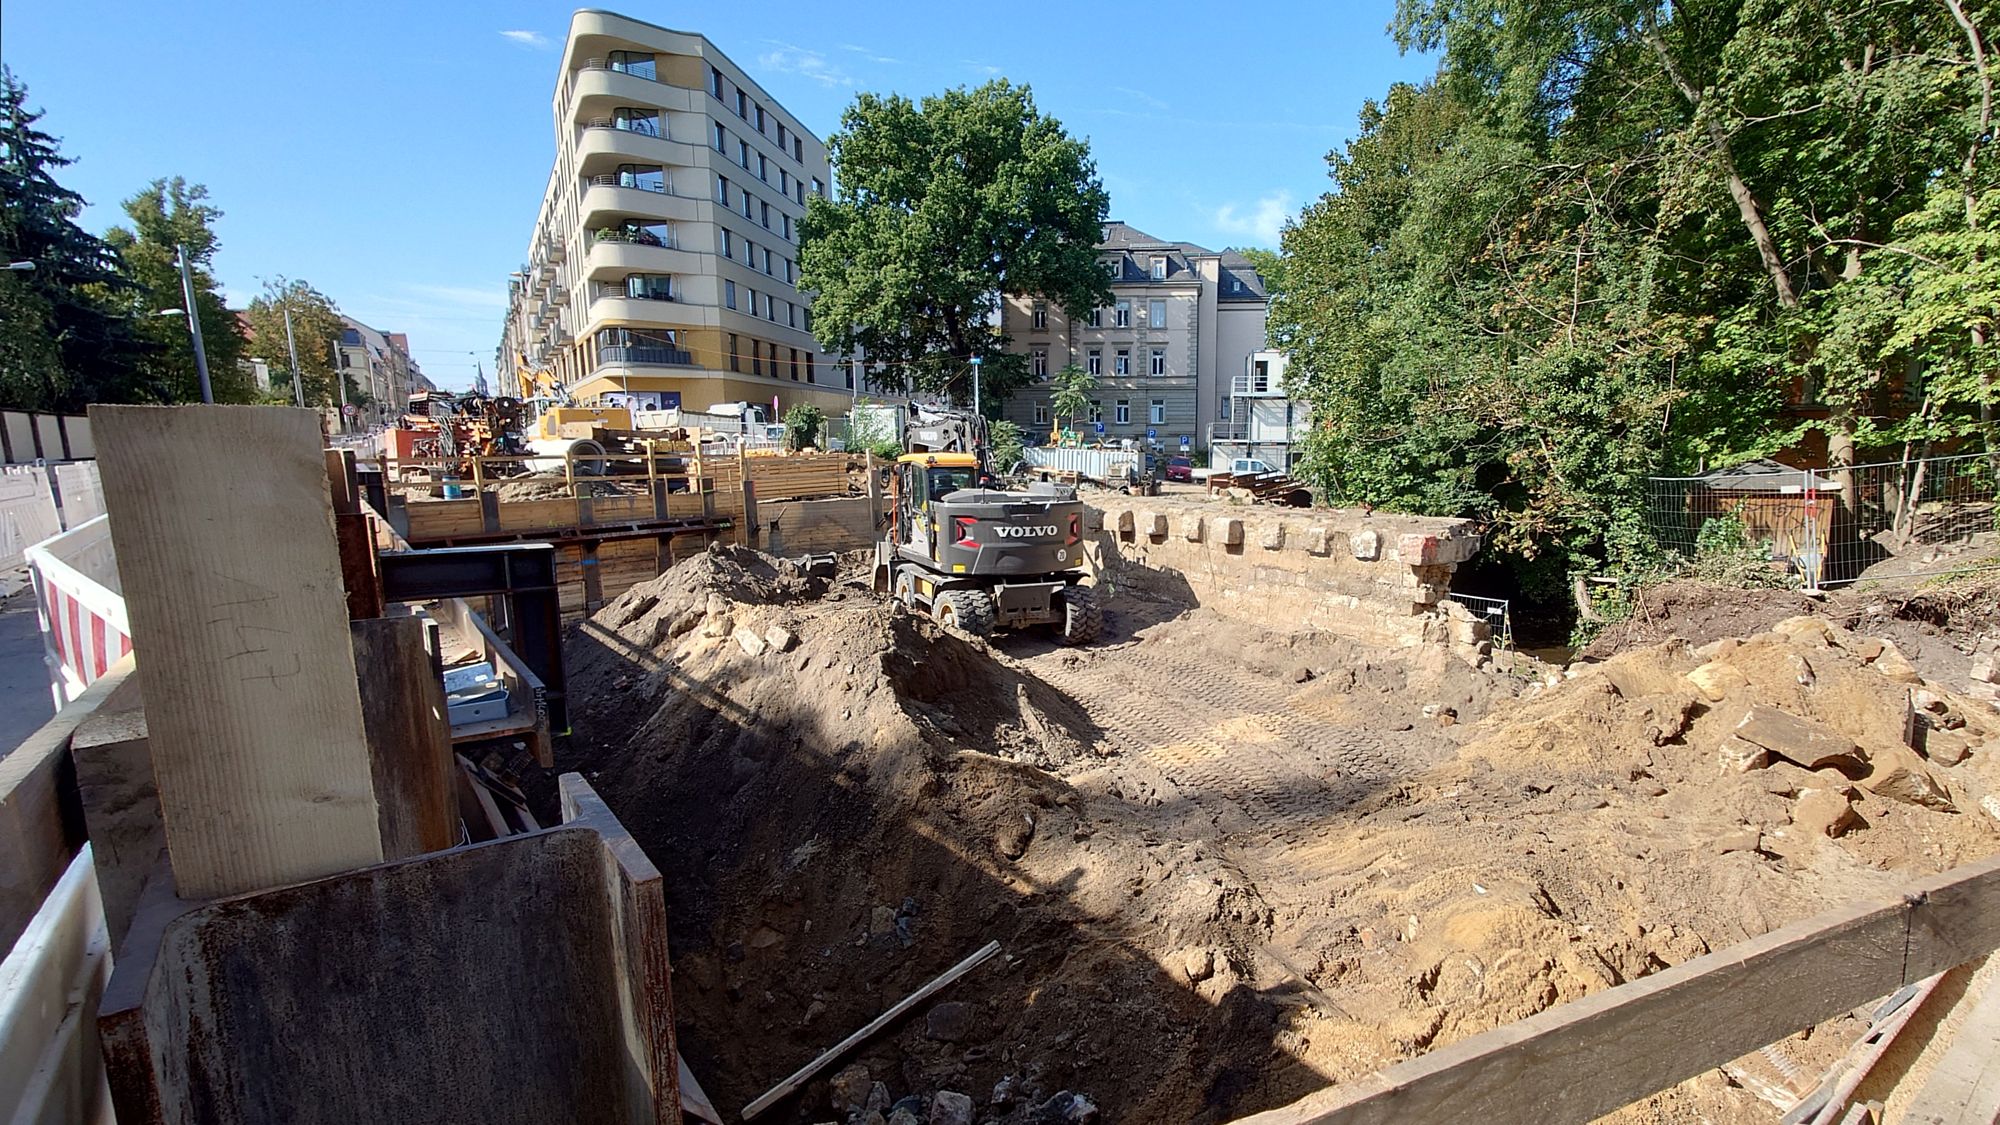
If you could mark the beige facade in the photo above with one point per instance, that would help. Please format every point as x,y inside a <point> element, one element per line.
<point>1182,322</point>
<point>379,365</point>
<point>664,260</point>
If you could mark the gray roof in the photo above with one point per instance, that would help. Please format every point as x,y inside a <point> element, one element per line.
<point>1235,267</point>
<point>1764,475</point>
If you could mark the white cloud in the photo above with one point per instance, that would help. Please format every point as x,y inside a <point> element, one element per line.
<point>869,53</point>
<point>790,59</point>
<point>983,68</point>
<point>534,39</point>
<point>1140,96</point>
<point>1262,223</point>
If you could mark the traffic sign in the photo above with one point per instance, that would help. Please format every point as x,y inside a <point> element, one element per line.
<point>1100,427</point>
<point>1184,442</point>
<point>1151,433</point>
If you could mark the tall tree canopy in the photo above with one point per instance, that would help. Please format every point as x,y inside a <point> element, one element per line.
<point>64,340</point>
<point>1617,237</point>
<point>166,215</point>
<point>316,328</point>
<point>942,207</point>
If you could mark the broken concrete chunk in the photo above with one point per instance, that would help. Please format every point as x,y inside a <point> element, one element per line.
<point>1737,756</point>
<point>1825,812</point>
<point>1067,1108</point>
<point>850,1088</point>
<point>751,642</point>
<point>1366,543</point>
<point>780,638</point>
<point>1946,748</point>
<point>1716,679</point>
<point>1893,664</point>
<point>1742,840</point>
<point>948,1107</point>
<point>1902,776</point>
<point>1799,740</point>
<point>1196,965</point>
<point>1982,671</point>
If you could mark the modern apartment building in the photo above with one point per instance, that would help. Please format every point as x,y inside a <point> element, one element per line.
<point>1183,321</point>
<point>1262,416</point>
<point>664,261</point>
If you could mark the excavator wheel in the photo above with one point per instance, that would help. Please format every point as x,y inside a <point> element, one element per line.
<point>906,590</point>
<point>1083,618</point>
<point>968,611</point>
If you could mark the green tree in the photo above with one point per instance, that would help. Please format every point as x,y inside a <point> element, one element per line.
<point>1270,266</point>
<point>1072,390</point>
<point>1008,445</point>
<point>166,215</point>
<point>316,328</point>
<point>802,426</point>
<point>943,207</point>
<point>63,340</point>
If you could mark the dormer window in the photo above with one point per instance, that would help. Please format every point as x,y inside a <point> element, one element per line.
<point>1159,269</point>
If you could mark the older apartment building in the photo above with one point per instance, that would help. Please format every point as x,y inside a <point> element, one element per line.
<point>1182,325</point>
<point>664,260</point>
<point>379,364</point>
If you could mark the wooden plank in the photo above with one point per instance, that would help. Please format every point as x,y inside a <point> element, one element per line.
<point>1581,1060</point>
<point>40,828</point>
<point>1964,1086</point>
<point>443,519</point>
<point>799,1077</point>
<point>409,736</point>
<point>235,598</point>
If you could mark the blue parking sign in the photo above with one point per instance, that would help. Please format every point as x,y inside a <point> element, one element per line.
<point>1100,427</point>
<point>1150,434</point>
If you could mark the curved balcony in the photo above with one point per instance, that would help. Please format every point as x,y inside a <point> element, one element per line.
<point>605,203</point>
<point>611,261</point>
<point>644,312</point>
<point>616,356</point>
<point>601,148</point>
<point>595,88</point>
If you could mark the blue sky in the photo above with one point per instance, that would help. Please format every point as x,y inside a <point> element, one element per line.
<point>394,154</point>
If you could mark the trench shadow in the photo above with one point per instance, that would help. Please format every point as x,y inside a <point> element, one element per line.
<point>806,894</point>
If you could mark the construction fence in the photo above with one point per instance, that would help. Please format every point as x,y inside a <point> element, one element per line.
<point>1839,525</point>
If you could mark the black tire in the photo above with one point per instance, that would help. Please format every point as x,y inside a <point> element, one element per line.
<point>905,589</point>
<point>968,611</point>
<point>1083,618</point>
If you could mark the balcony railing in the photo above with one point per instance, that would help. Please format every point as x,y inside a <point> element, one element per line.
<point>651,129</point>
<point>632,238</point>
<point>621,68</point>
<point>1251,385</point>
<point>663,187</point>
<point>673,357</point>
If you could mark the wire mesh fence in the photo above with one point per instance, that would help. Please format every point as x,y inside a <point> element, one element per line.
<point>1834,526</point>
<point>1496,612</point>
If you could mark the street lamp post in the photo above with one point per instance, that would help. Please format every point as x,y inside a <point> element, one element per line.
<point>292,346</point>
<point>20,267</point>
<point>194,324</point>
<point>975,384</point>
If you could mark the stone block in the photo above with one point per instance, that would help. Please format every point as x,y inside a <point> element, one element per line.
<point>751,642</point>
<point>1893,664</point>
<point>1153,524</point>
<point>1902,776</point>
<point>1192,527</point>
<point>1124,524</point>
<point>1229,532</point>
<point>1273,537</point>
<point>1366,544</point>
<point>1737,756</point>
<point>1318,541</point>
<point>1717,679</point>
<point>1803,741</point>
<point>1825,812</point>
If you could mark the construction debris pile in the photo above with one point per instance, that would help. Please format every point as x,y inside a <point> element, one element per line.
<point>1210,908</point>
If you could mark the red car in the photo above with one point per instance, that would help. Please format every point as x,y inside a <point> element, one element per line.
<point>1180,468</point>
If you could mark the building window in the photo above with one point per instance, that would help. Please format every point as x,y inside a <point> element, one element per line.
<point>1159,269</point>
<point>756,357</point>
<point>645,177</point>
<point>1123,364</point>
<point>722,190</point>
<point>1041,363</point>
<point>743,154</point>
<point>847,369</point>
<point>715,83</point>
<point>1222,407</point>
<point>1096,412</point>
<point>760,119</point>
<point>1235,285</point>
<point>1159,361</point>
<point>1041,314</point>
<point>1121,315</point>
<point>1115,268</point>
<point>766,220</point>
<point>728,244</point>
<point>649,286</point>
<point>646,121</point>
<point>788,228</point>
<point>791,272</point>
<point>1041,414</point>
<point>798,151</point>
<point>1159,415</point>
<point>1094,362</point>
<point>729,294</point>
<point>791,314</point>
<point>818,188</point>
<point>735,353</point>
<point>721,138</point>
<point>635,63</point>
<point>799,191</point>
<point>810,377</point>
<point>1156,314</point>
<point>749,206</point>
<point>1123,413</point>
<point>781,145</point>
<point>742,104</point>
<point>767,262</point>
<point>1096,318</point>
<point>784,180</point>
<point>795,365</point>
<point>763,168</point>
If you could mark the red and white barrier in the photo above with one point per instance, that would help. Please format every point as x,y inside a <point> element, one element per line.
<point>84,630</point>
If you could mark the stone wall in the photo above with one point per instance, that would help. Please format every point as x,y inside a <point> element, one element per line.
<point>1379,579</point>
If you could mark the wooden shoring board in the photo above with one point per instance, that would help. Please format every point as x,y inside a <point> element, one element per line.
<point>1581,1060</point>
<point>235,596</point>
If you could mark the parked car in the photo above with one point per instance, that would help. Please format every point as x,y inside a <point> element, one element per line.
<point>1180,468</point>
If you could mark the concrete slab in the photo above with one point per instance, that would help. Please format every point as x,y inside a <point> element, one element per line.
<point>25,702</point>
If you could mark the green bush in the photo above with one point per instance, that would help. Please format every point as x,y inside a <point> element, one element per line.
<point>802,426</point>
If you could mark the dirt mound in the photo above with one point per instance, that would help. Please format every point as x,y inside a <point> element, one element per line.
<point>1244,869</point>
<point>1697,613</point>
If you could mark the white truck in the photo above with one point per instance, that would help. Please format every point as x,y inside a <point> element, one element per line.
<point>1240,466</point>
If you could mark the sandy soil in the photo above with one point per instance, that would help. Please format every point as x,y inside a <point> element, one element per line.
<point>1227,866</point>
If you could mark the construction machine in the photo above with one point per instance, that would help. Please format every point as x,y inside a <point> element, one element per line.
<point>974,557</point>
